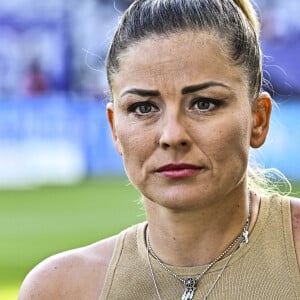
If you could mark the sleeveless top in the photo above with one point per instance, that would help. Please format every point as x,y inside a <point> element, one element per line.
<point>264,269</point>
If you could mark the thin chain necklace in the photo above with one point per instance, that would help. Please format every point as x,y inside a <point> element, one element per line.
<point>190,283</point>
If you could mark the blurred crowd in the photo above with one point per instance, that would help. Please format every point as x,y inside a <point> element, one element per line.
<point>59,46</point>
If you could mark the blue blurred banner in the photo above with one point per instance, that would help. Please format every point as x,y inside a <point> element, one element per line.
<point>63,139</point>
<point>54,140</point>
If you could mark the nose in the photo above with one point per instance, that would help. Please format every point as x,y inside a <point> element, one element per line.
<point>174,134</point>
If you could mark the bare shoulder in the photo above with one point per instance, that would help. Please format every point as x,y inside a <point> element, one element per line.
<point>74,274</point>
<point>295,211</point>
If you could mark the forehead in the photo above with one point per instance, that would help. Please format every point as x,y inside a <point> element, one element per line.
<point>176,60</point>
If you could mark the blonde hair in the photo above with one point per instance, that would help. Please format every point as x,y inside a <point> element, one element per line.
<point>250,13</point>
<point>267,182</point>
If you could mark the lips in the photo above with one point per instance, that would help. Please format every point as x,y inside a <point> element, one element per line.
<point>180,170</point>
<point>175,167</point>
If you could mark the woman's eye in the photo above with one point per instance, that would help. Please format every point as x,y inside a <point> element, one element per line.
<point>205,104</point>
<point>142,108</point>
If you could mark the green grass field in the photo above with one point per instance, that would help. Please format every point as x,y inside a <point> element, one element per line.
<point>35,223</point>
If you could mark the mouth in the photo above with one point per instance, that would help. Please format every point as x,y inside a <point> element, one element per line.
<point>181,170</point>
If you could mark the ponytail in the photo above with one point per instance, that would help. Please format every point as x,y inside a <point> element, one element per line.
<point>250,13</point>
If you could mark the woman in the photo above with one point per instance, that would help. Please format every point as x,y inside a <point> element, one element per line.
<point>187,105</point>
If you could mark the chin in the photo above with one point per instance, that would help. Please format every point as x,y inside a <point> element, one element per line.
<point>179,199</point>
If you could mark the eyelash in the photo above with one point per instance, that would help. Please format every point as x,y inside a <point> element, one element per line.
<point>215,102</point>
<point>133,107</point>
<point>138,105</point>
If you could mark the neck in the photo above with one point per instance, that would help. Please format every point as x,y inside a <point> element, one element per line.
<point>197,237</point>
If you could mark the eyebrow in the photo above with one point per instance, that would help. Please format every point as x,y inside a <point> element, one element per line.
<point>184,91</point>
<point>202,86</point>
<point>142,93</point>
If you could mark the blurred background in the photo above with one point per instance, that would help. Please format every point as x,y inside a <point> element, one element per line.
<point>60,177</point>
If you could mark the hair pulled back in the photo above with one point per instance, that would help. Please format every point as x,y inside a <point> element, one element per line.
<point>250,14</point>
<point>234,21</point>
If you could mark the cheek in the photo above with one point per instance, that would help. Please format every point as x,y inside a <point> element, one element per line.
<point>133,140</point>
<point>230,141</point>
<point>137,148</point>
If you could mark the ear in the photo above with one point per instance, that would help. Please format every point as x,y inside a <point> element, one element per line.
<point>261,119</point>
<point>111,120</point>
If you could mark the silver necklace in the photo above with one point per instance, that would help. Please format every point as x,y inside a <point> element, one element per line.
<point>212,286</point>
<point>190,283</point>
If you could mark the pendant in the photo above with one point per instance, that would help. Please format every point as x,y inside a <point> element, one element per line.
<point>245,236</point>
<point>190,288</point>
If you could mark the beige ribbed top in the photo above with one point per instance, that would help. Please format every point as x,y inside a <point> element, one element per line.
<point>264,269</point>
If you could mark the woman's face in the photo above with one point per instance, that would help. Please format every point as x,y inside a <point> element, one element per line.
<point>182,119</point>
